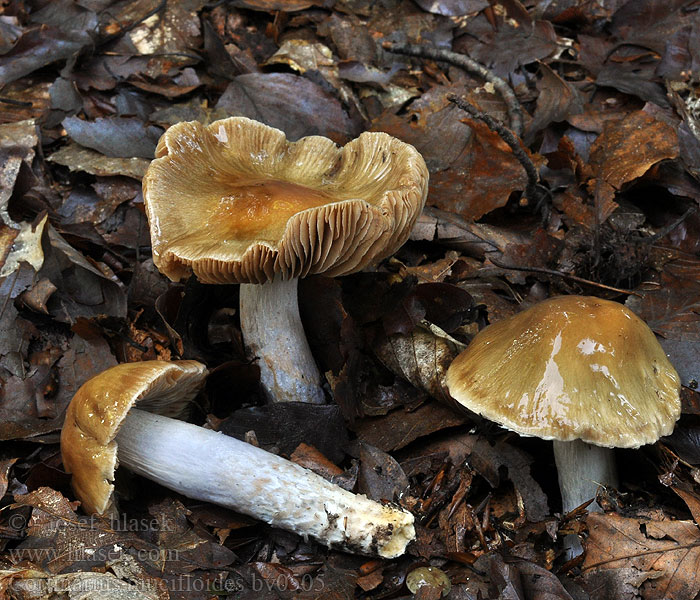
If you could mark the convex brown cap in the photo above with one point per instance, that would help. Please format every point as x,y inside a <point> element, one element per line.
<point>235,201</point>
<point>98,408</point>
<point>571,367</point>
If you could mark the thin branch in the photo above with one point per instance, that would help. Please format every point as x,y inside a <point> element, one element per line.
<point>644,553</point>
<point>664,231</point>
<point>565,276</point>
<point>509,138</point>
<point>14,102</point>
<point>515,112</point>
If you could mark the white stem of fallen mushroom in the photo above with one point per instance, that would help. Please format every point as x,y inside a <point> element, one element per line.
<point>582,469</point>
<point>272,332</point>
<point>206,465</point>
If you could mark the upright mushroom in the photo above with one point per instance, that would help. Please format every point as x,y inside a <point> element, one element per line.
<point>235,202</point>
<point>103,430</point>
<point>584,372</point>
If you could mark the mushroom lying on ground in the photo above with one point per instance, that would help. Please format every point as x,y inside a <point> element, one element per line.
<point>584,372</point>
<point>102,430</point>
<point>235,202</point>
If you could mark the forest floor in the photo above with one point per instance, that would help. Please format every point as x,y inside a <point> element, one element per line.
<point>587,183</point>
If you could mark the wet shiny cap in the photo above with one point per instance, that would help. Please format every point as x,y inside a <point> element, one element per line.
<point>571,367</point>
<point>98,408</point>
<point>235,201</point>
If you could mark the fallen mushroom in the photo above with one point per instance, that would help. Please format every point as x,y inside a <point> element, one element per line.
<point>235,202</point>
<point>103,430</point>
<point>584,372</point>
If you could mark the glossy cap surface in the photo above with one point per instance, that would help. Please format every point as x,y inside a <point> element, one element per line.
<point>234,201</point>
<point>98,408</point>
<point>571,367</point>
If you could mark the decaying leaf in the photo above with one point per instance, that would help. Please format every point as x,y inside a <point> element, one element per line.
<point>421,357</point>
<point>19,241</point>
<point>434,128</point>
<point>520,580</point>
<point>287,424</point>
<point>482,178</point>
<point>621,584</point>
<point>29,406</point>
<point>23,245</point>
<point>558,100</point>
<point>115,137</point>
<point>669,548</point>
<point>83,288</point>
<point>399,428</point>
<point>41,45</point>
<point>77,158</point>
<point>267,97</point>
<point>625,151</point>
<point>380,477</point>
<point>673,310</point>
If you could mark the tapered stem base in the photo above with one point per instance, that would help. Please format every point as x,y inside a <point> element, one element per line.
<point>582,469</point>
<point>206,465</point>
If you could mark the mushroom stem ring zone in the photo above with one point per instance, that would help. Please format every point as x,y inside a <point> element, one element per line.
<point>582,468</point>
<point>274,334</point>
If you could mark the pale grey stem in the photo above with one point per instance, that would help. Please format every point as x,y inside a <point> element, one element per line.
<point>273,333</point>
<point>206,465</point>
<point>582,468</point>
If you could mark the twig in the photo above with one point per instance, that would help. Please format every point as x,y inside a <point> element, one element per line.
<point>668,229</point>
<point>515,112</point>
<point>509,138</point>
<point>189,55</point>
<point>14,102</point>
<point>565,276</point>
<point>638,554</point>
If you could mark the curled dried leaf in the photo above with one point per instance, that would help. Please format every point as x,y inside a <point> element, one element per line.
<point>422,357</point>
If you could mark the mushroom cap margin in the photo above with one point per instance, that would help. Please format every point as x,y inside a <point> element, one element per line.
<point>373,213</point>
<point>98,408</point>
<point>570,367</point>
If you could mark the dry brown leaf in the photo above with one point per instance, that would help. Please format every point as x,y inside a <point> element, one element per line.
<point>371,580</point>
<point>673,309</point>
<point>557,101</point>
<point>482,178</point>
<point>381,477</point>
<point>421,357</point>
<point>77,158</point>
<point>670,547</point>
<point>265,97</point>
<point>621,584</point>
<point>691,499</point>
<point>310,458</point>
<point>625,151</point>
<point>399,428</point>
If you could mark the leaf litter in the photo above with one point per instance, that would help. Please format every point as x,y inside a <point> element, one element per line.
<point>607,94</point>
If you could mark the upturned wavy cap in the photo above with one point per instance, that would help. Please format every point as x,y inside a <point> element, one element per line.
<point>235,201</point>
<point>571,367</point>
<point>98,408</point>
